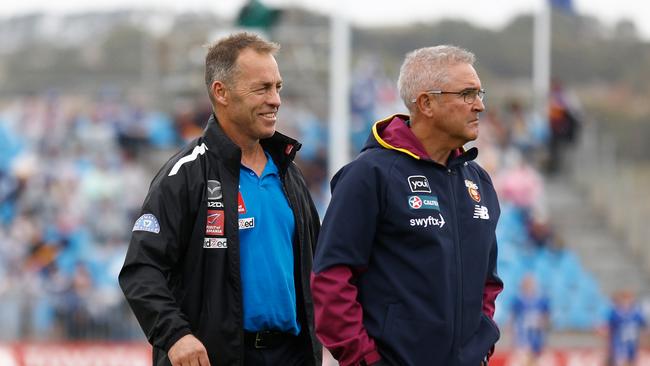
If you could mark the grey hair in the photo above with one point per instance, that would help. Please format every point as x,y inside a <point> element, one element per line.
<point>426,68</point>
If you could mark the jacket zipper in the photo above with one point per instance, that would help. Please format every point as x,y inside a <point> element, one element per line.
<point>458,314</point>
<point>299,264</point>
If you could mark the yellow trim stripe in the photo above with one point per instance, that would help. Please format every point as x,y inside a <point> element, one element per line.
<point>387,145</point>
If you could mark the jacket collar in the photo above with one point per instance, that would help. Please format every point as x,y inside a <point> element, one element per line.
<point>394,133</point>
<point>282,148</point>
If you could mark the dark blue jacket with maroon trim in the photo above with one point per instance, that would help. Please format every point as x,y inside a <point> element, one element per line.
<point>405,266</point>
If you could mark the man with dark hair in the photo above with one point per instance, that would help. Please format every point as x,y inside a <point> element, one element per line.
<point>405,270</point>
<point>217,271</point>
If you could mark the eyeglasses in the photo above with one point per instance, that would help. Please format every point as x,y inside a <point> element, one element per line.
<point>469,95</point>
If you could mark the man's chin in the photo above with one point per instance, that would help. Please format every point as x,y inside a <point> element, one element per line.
<point>472,134</point>
<point>267,133</point>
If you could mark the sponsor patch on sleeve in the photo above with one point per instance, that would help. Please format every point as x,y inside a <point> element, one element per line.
<point>147,222</point>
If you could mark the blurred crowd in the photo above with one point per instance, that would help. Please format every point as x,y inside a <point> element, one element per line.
<point>75,169</point>
<point>72,179</point>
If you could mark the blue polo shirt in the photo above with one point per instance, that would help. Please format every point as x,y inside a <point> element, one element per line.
<point>266,227</point>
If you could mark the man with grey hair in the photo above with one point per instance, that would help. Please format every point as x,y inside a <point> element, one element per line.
<point>405,266</point>
<point>218,267</point>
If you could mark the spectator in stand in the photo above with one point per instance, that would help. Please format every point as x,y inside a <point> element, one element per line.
<point>186,122</point>
<point>564,123</point>
<point>624,325</point>
<point>530,320</point>
<point>61,169</point>
<point>519,134</point>
<point>519,183</point>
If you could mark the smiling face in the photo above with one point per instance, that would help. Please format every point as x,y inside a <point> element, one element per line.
<point>455,120</point>
<point>250,105</point>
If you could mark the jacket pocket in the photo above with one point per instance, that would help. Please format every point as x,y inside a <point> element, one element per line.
<point>478,346</point>
<point>407,340</point>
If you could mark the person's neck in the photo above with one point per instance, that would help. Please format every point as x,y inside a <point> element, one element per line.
<point>431,139</point>
<point>252,153</point>
<point>253,157</point>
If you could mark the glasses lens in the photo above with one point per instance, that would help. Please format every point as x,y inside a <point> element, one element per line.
<point>469,96</point>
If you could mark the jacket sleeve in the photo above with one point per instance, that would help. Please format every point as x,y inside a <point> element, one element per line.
<point>493,284</point>
<point>339,317</point>
<point>151,256</point>
<point>343,251</point>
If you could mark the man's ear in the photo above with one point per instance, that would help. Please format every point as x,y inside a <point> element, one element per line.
<point>425,104</point>
<point>219,92</point>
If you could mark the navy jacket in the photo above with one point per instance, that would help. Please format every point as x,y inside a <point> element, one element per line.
<point>405,266</point>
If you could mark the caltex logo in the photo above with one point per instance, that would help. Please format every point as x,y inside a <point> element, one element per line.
<point>424,203</point>
<point>415,202</point>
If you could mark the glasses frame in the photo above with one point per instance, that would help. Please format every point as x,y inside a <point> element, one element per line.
<point>480,94</point>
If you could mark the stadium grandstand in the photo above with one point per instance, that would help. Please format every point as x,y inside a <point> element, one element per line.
<point>75,167</point>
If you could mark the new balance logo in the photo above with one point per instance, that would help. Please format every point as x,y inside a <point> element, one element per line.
<point>481,212</point>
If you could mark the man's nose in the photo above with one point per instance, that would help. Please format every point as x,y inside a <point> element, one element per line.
<point>478,105</point>
<point>274,98</point>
